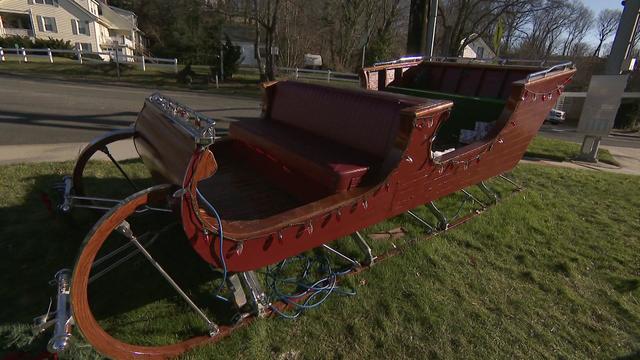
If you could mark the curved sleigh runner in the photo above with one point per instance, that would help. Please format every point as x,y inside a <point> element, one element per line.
<point>320,164</point>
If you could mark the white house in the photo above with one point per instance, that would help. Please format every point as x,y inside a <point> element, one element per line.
<point>244,37</point>
<point>91,25</point>
<point>477,48</point>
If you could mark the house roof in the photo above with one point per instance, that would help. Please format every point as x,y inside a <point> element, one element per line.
<point>240,33</point>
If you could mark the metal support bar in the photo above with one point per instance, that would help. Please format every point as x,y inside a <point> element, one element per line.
<point>443,223</point>
<point>470,196</point>
<point>366,249</point>
<point>125,229</point>
<point>493,197</point>
<point>345,257</point>
<point>239,296</point>
<point>106,151</point>
<point>422,221</point>
<point>257,298</point>
<point>120,261</point>
<point>503,177</point>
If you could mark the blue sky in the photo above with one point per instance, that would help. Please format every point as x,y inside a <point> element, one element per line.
<point>596,6</point>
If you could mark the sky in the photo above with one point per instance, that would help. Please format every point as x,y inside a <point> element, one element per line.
<point>596,6</point>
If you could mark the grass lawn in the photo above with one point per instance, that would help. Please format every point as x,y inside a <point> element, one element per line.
<point>244,82</point>
<point>559,150</point>
<point>550,272</point>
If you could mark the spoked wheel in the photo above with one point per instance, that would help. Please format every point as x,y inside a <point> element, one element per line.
<point>115,240</point>
<point>106,147</point>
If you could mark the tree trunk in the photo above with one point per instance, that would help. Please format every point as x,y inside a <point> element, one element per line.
<point>417,35</point>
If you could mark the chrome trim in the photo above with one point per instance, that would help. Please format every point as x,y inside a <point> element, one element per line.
<point>544,73</point>
<point>201,128</point>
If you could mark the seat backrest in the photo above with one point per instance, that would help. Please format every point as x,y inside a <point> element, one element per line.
<point>364,120</point>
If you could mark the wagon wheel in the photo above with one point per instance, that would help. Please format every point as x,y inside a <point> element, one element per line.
<point>115,225</point>
<point>101,145</point>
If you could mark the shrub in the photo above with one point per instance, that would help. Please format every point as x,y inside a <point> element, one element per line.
<point>11,41</point>
<point>232,57</point>
<point>186,75</point>
<point>627,117</point>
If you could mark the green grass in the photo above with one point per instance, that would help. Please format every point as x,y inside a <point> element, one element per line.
<point>550,272</point>
<point>244,82</point>
<point>559,150</point>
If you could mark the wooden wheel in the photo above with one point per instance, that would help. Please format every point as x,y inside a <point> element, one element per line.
<point>110,224</point>
<point>101,145</point>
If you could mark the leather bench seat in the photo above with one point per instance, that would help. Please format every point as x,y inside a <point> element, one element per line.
<point>335,166</point>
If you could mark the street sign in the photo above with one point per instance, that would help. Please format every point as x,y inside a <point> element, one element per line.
<point>601,105</point>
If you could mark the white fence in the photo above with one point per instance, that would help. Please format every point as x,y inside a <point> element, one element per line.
<point>329,75</point>
<point>301,73</point>
<point>89,57</point>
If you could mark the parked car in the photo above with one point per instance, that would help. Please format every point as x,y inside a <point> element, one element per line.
<point>556,116</point>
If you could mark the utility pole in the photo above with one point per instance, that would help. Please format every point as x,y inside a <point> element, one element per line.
<point>431,26</point>
<point>605,91</point>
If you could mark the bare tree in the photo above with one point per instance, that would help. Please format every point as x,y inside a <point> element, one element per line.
<point>581,21</point>
<point>459,19</point>
<point>607,23</point>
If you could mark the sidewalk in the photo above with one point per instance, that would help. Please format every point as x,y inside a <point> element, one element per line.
<point>15,154</point>
<point>629,158</point>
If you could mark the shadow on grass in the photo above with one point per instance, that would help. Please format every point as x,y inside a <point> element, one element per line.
<point>37,241</point>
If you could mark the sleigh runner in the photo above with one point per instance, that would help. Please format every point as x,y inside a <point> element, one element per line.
<point>320,163</point>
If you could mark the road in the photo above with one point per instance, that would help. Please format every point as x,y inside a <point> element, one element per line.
<point>53,112</point>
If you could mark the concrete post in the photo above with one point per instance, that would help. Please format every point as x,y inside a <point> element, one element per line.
<point>2,59</point>
<point>175,65</point>
<point>79,54</point>
<point>328,75</point>
<point>50,55</point>
<point>144,65</point>
<point>620,50</point>
<point>296,73</point>
<point>24,54</point>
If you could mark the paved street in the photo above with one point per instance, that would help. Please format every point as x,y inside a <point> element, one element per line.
<point>55,112</point>
<point>51,120</point>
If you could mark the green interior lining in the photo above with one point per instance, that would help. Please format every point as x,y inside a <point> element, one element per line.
<point>467,110</point>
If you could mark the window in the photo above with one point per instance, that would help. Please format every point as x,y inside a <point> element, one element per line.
<point>45,2</point>
<point>47,24</point>
<point>86,47</point>
<point>79,27</point>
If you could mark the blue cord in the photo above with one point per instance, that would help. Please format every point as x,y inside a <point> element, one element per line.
<point>221,235</point>
<point>316,292</point>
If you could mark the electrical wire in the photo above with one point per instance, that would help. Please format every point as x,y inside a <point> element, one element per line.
<point>221,236</point>
<point>309,293</point>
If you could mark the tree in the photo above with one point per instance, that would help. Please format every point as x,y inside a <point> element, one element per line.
<point>265,16</point>
<point>579,25</point>
<point>459,19</point>
<point>417,35</point>
<point>607,23</point>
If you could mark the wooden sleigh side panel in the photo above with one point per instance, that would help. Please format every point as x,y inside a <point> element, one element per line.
<point>415,180</point>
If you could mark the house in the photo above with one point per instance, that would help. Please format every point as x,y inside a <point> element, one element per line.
<point>244,38</point>
<point>477,48</point>
<point>91,25</point>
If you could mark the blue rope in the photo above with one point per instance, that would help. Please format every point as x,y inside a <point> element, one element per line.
<point>221,235</point>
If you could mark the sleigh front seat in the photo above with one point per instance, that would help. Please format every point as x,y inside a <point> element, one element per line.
<point>335,137</point>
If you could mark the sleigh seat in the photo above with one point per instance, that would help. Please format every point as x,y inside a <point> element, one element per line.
<point>335,137</point>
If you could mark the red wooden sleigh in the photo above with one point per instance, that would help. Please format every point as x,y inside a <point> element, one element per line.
<point>319,164</point>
